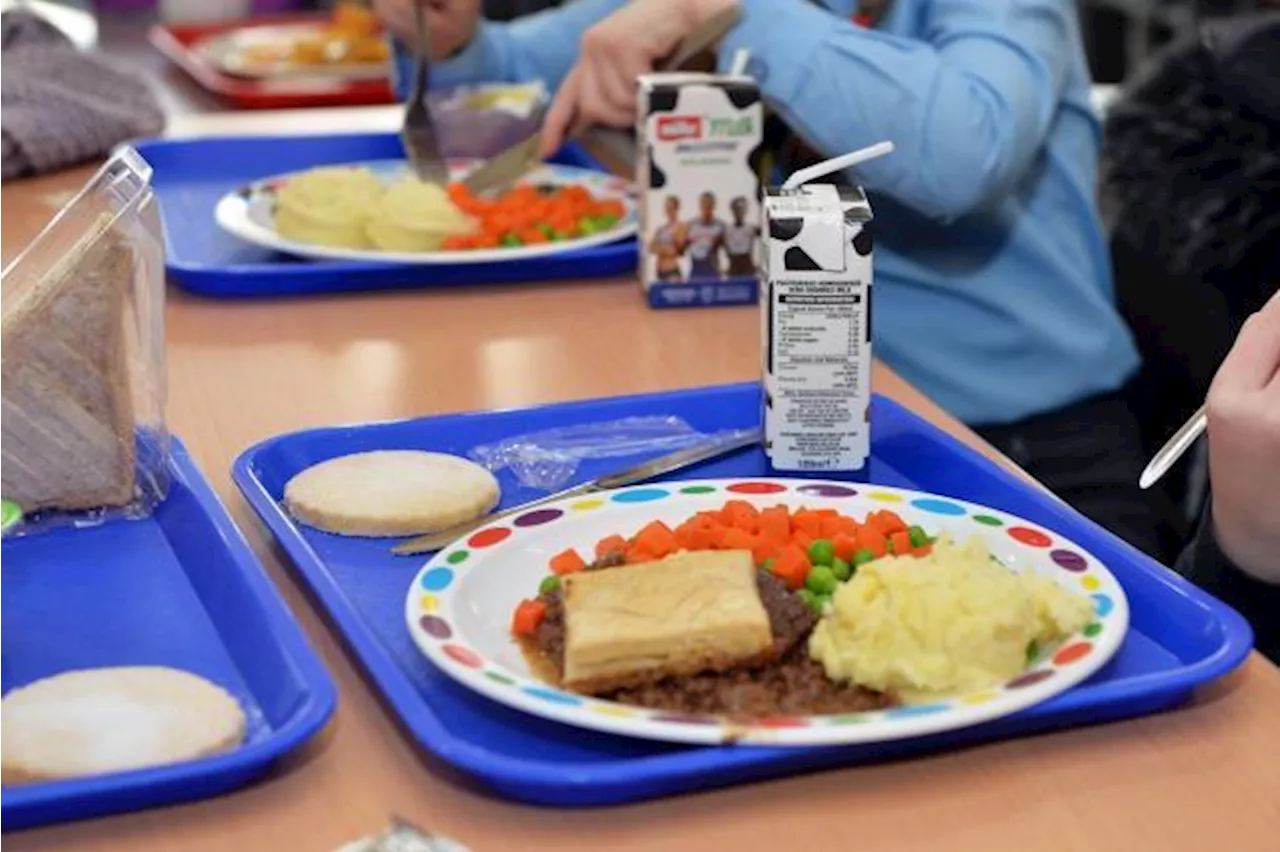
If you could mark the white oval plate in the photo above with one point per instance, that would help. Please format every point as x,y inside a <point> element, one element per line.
<point>459,608</point>
<point>249,213</point>
<point>230,51</point>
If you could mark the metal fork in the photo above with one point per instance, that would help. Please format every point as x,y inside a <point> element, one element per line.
<point>419,132</point>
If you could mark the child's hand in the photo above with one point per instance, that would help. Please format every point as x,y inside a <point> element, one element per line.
<point>451,24</point>
<point>601,87</point>
<point>1244,447</point>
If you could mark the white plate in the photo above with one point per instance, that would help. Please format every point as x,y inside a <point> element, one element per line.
<point>230,51</point>
<point>460,604</point>
<point>249,213</point>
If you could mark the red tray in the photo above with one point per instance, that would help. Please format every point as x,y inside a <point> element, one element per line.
<point>176,42</point>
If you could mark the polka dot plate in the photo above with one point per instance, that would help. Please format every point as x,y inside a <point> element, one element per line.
<point>459,608</point>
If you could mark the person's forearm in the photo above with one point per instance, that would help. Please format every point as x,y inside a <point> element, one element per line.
<point>967,113</point>
<point>542,47</point>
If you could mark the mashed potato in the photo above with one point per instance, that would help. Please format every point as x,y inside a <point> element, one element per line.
<point>415,216</point>
<point>951,622</point>
<point>328,207</point>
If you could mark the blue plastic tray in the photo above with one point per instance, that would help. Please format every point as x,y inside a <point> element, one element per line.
<point>1180,637</point>
<point>192,174</point>
<point>180,589</point>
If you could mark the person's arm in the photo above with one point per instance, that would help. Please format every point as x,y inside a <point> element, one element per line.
<point>967,108</point>
<point>542,46</point>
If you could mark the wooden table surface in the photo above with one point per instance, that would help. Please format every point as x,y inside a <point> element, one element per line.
<point>1207,775</point>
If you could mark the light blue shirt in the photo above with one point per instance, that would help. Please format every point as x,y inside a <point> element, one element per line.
<point>993,290</point>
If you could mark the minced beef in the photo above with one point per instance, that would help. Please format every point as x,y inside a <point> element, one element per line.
<point>791,684</point>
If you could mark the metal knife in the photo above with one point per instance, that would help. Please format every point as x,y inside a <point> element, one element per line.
<point>507,167</point>
<point>640,473</point>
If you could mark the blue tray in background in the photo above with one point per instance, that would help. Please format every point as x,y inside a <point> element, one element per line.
<point>180,589</point>
<point>192,174</point>
<point>1179,637</point>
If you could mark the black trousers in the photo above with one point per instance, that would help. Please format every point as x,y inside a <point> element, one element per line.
<point>1090,454</point>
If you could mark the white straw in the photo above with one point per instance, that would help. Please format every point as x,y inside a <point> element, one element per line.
<point>740,60</point>
<point>836,164</point>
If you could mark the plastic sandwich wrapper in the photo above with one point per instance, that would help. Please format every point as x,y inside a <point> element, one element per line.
<point>83,358</point>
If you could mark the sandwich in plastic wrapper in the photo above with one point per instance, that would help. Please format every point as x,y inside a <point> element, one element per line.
<point>548,459</point>
<point>83,359</point>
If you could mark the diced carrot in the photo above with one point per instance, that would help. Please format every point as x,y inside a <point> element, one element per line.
<point>801,539</point>
<point>887,522</point>
<point>742,515</point>
<point>775,525</point>
<point>848,526</point>
<point>792,567</point>
<point>826,513</point>
<point>900,542</point>
<point>528,615</point>
<point>830,527</point>
<point>718,536</point>
<point>703,537</point>
<point>845,546</point>
<point>922,550</point>
<point>567,562</point>
<point>636,555</point>
<point>808,522</point>
<point>872,539</point>
<point>737,539</point>
<point>610,544</point>
<point>765,549</point>
<point>657,538</point>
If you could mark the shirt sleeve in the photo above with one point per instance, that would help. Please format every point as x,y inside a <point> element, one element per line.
<point>542,46</point>
<point>1204,564</point>
<point>967,105</point>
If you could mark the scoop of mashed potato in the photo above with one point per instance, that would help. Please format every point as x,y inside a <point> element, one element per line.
<point>948,623</point>
<point>415,216</point>
<point>328,207</point>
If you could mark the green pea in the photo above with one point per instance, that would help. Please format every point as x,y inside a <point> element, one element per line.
<point>821,580</point>
<point>821,552</point>
<point>587,225</point>
<point>809,598</point>
<point>1033,651</point>
<point>512,240</point>
<point>547,230</point>
<point>862,557</point>
<point>768,564</point>
<point>606,220</point>
<point>558,236</point>
<point>843,570</point>
<point>919,538</point>
<point>820,603</point>
<point>549,584</point>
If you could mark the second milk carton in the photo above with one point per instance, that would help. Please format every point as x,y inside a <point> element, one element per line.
<point>816,324</point>
<point>699,141</point>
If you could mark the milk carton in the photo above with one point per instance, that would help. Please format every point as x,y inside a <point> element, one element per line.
<point>699,141</point>
<point>816,318</point>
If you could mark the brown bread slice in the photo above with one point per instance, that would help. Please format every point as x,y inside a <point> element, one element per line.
<point>68,420</point>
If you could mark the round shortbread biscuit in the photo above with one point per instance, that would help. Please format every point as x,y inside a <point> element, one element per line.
<point>95,721</point>
<point>391,493</point>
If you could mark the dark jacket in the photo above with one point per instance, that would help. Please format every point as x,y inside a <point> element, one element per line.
<point>1204,563</point>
